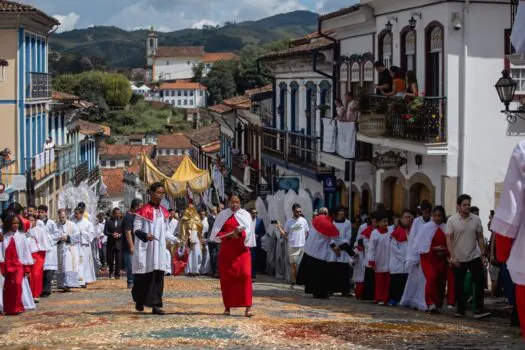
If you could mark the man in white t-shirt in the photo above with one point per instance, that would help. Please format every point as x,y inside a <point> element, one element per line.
<point>295,231</point>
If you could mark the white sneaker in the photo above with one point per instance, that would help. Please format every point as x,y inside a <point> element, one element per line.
<point>381,303</point>
<point>450,307</point>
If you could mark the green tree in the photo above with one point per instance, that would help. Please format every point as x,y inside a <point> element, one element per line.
<point>66,83</point>
<point>117,90</point>
<point>221,81</point>
<point>198,71</point>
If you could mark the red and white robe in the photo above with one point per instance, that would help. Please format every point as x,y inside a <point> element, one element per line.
<point>509,226</point>
<point>15,262</point>
<point>39,243</point>
<point>379,259</point>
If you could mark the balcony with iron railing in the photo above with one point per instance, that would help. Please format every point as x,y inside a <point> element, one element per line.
<point>419,120</point>
<point>81,173</point>
<point>43,165</point>
<point>39,85</point>
<point>298,149</point>
<point>239,172</point>
<point>65,158</point>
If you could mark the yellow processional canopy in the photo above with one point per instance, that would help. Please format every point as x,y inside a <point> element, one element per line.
<point>186,175</point>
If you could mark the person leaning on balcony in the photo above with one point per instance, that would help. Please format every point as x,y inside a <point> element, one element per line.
<point>384,81</point>
<point>340,109</point>
<point>352,108</point>
<point>399,87</point>
<point>412,88</point>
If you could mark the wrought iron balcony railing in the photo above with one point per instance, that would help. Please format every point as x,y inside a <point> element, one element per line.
<point>419,119</point>
<point>43,164</point>
<point>238,170</point>
<point>81,173</point>
<point>39,85</point>
<point>292,147</point>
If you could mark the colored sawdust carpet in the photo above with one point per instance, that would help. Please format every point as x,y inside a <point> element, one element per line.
<point>103,316</point>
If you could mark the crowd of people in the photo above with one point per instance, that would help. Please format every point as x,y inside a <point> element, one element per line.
<point>425,260</point>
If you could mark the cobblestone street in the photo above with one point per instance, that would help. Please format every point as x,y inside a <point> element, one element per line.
<point>103,317</point>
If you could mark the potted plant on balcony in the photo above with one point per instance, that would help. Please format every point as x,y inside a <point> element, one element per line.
<point>3,62</point>
<point>324,108</point>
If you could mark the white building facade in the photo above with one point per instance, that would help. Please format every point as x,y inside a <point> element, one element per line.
<point>184,94</point>
<point>458,141</point>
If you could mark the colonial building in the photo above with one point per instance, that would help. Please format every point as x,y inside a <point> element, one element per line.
<point>452,140</point>
<point>25,85</point>
<point>178,62</point>
<point>241,119</point>
<point>184,94</point>
<point>206,145</point>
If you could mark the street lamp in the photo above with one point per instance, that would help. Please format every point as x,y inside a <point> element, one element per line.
<point>506,88</point>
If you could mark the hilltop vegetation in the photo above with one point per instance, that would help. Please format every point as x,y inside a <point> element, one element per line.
<point>112,47</point>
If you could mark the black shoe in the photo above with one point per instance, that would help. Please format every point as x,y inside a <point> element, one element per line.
<point>157,311</point>
<point>139,307</point>
<point>117,277</point>
<point>66,289</point>
<point>482,313</point>
<point>45,295</point>
<point>130,285</point>
<point>110,276</point>
<point>459,314</point>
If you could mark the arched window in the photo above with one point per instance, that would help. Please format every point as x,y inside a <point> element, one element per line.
<point>368,71</point>
<point>343,80</point>
<point>294,105</point>
<point>386,48</point>
<point>356,73</point>
<point>434,42</point>
<point>325,98</point>
<point>408,49</point>
<point>282,105</point>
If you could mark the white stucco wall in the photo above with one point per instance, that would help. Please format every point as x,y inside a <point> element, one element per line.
<point>174,68</point>
<point>197,100</point>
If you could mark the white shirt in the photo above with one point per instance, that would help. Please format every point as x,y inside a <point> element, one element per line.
<point>345,234</point>
<point>99,231</point>
<point>398,253</point>
<point>296,229</point>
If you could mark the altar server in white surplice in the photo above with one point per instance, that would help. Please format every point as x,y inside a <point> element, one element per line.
<point>151,229</point>
<point>414,294</point>
<point>51,262</point>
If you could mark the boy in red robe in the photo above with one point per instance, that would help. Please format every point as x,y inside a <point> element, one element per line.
<point>15,264</point>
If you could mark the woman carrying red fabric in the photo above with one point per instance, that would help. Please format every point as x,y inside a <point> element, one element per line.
<point>432,245</point>
<point>233,229</point>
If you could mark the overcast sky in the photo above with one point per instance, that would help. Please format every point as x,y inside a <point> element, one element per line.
<point>168,15</point>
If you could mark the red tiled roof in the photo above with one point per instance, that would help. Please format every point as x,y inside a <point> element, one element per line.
<point>182,85</point>
<point>212,148</point>
<point>174,141</point>
<point>206,135</point>
<point>168,164</point>
<point>114,180</point>
<point>180,51</point>
<point>243,102</point>
<point>300,49</point>
<point>62,96</point>
<point>340,12</point>
<point>219,108</point>
<point>259,90</point>
<point>124,151</point>
<point>88,128</point>
<point>218,56</point>
<point>15,7</point>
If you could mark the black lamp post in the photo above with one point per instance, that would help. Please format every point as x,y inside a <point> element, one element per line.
<point>412,22</point>
<point>506,88</point>
<point>389,26</point>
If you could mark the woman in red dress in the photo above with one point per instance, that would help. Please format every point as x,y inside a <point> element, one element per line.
<point>233,229</point>
<point>432,246</point>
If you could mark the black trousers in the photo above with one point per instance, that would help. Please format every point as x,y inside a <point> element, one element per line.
<point>114,259</point>
<point>48,278</point>
<point>397,286</point>
<point>214,253</point>
<point>148,288</point>
<point>476,269</point>
<point>369,284</point>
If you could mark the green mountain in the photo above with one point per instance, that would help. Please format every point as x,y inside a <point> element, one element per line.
<point>127,49</point>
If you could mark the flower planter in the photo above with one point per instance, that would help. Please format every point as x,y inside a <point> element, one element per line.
<point>372,125</point>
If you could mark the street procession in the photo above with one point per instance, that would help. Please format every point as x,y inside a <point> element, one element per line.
<point>284,175</point>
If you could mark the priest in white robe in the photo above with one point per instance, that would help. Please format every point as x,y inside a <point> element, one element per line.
<point>87,236</point>
<point>51,262</point>
<point>414,294</point>
<point>68,255</point>
<point>151,229</point>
